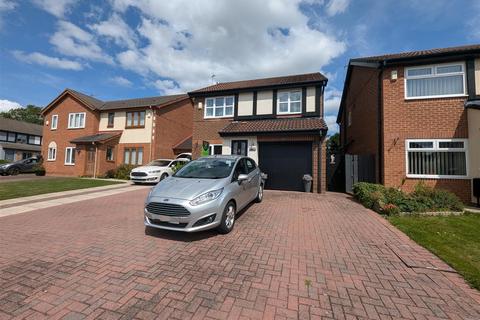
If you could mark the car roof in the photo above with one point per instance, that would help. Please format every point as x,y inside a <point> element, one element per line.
<point>164,159</point>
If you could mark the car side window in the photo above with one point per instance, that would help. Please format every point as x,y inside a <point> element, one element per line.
<point>240,169</point>
<point>250,165</point>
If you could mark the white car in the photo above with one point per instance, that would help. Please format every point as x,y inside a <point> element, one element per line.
<point>155,171</point>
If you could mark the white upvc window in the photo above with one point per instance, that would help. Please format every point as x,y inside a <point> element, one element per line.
<point>437,158</point>
<point>70,156</point>
<point>54,124</point>
<point>76,120</point>
<point>52,151</point>
<point>435,81</point>
<point>214,149</point>
<point>219,107</point>
<point>289,102</point>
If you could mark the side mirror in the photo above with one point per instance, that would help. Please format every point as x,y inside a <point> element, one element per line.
<point>241,178</point>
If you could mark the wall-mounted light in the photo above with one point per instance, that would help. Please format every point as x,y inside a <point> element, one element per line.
<point>200,105</point>
<point>394,75</point>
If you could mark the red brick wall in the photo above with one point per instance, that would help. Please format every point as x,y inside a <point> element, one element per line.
<point>205,129</point>
<point>172,125</point>
<point>362,101</point>
<point>62,136</point>
<point>417,119</point>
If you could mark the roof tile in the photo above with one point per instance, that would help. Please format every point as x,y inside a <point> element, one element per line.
<point>265,82</point>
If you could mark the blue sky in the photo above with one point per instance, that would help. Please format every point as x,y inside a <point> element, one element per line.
<point>134,48</point>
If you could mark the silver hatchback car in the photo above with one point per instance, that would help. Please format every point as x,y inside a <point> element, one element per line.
<point>204,194</point>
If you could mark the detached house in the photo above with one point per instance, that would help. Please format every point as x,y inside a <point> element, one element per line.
<point>416,116</point>
<point>84,136</point>
<point>278,122</point>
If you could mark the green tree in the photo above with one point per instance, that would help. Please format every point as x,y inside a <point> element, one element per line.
<point>30,114</point>
<point>333,142</point>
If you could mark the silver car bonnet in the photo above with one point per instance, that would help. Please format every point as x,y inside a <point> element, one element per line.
<point>186,188</point>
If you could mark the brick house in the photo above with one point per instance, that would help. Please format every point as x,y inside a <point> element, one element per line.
<point>84,136</point>
<point>19,140</point>
<point>416,114</point>
<point>278,122</point>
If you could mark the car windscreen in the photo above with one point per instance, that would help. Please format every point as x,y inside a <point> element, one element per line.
<point>207,169</point>
<point>159,163</point>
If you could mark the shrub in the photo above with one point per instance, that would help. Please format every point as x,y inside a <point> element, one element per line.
<point>39,170</point>
<point>123,171</point>
<point>390,209</point>
<point>110,174</point>
<point>4,161</point>
<point>363,192</point>
<point>392,201</point>
<point>178,166</point>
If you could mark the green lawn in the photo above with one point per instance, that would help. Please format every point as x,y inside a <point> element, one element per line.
<point>25,188</point>
<point>455,239</point>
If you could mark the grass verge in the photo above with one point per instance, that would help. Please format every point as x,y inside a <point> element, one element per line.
<point>25,188</point>
<point>455,239</point>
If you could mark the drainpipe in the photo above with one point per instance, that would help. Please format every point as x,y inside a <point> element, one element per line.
<point>151,134</point>
<point>380,124</point>
<point>95,163</point>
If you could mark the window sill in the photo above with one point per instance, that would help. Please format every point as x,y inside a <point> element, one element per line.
<point>139,127</point>
<point>213,118</point>
<point>51,160</point>
<point>434,177</point>
<point>437,97</point>
<point>76,128</point>
<point>69,164</point>
<point>110,161</point>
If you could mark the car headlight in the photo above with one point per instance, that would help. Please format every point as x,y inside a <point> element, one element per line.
<point>206,197</point>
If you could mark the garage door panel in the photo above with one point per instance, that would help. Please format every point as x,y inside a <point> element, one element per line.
<point>285,163</point>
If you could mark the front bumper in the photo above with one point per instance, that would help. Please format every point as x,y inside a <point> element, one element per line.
<point>145,179</point>
<point>202,217</point>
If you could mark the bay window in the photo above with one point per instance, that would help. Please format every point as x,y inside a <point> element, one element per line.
<point>289,102</point>
<point>443,80</point>
<point>219,107</point>
<point>436,158</point>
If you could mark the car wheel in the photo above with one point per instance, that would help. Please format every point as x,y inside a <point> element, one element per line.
<point>228,218</point>
<point>13,171</point>
<point>259,197</point>
<point>163,176</point>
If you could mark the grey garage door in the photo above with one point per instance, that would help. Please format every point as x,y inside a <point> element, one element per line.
<point>285,163</point>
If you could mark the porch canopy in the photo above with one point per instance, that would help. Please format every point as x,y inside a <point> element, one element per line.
<point>101,137</point>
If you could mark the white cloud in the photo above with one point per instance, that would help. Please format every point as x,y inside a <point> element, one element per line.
<point>335,7</point>
<point>71,40</point>
<point>117,30</point>
<point>188,42</point>
<point>52,62</point>
<point>332,124</point>
<point>5,5</point>
<point>332,101</point>
<point>121,81</point>
<point>56,7</point>
<point>167,86</point>
<point>6,105</point>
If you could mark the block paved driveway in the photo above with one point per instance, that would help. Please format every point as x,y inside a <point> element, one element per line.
<point>293,256</point>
